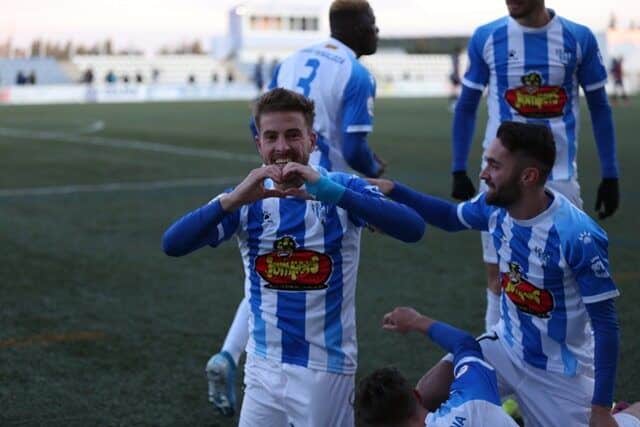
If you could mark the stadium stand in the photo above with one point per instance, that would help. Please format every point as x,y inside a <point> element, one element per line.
<point>47,70</point>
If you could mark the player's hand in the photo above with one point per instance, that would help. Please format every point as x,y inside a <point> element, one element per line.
<point>608,197</point>
<point>252,188</point>
<point>384,185</point>
<point>601,417</point>
<point>382,164</point>
<point>462,188</point>
<point>405,319</point>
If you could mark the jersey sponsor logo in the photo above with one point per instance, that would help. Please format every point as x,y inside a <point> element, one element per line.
<point>564,56</point>
<point>288,268</point>
<point>533,99</point>
<point>526,297</point>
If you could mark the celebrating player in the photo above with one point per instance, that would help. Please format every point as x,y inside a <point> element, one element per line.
<point>300,257</point>
<point>384,398</point>
<point>557,293</point>
<point>533,62</point>
<point>343,91</point>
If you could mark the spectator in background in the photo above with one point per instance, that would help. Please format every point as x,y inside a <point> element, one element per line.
<point>155,75</point>
<point>214,77</point>
<point>87,77</point>
<point>110,77</point>
<point>454,77</point>
<point>258,77</point>
<point>139,78</point>
<point>125,78</point>
<point>191,79</point>
<point>230,77</point>
<point>21,79</point>
<point>31,78</point>
<point>618,85</point>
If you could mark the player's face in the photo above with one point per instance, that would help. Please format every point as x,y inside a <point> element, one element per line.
<point>523,8</point>
<point>502,176</point>
<point>284,137</point>
<point>368,33</point>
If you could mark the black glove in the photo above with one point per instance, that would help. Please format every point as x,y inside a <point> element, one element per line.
<point>463,188</point>
<point>608,197</point>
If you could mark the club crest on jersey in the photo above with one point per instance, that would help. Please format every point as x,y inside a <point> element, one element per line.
<point>288,268</point>
<point>536,100</point>
<point>526,297</point>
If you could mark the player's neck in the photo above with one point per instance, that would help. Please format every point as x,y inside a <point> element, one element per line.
<point>530,205</point>
<point>347,41</point>
<point>536,19</point>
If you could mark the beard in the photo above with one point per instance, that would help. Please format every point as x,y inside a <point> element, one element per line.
<point>504,196</point>
<point>522,9</point>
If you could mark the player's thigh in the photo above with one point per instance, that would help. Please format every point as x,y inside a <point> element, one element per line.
<point>262,401</point>
<point>568,188</point>
<point>495,354</point>
<point>318,399</point>
<point>550,399</point>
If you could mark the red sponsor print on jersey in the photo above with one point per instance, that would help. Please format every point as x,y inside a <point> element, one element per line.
<point>527,297</point>
<point>535,100</point>
<point>290,269</point>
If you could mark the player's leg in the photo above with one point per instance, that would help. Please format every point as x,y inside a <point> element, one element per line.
<point>550,399</point>
<point>221,367</point>
<point>629,417</point>
<point>317,398</point>
<point>262,404</point>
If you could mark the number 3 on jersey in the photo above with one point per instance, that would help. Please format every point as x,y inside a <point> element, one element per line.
<point>305,84</point>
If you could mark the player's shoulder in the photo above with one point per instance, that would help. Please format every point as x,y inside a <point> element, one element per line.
<point>574,225</point>
<point>579,32</point>
<point>484,31</point>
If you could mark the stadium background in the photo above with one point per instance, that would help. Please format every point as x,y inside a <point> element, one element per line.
<point>99,327</point>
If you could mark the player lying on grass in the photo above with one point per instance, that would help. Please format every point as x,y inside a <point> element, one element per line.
<point>558,324</point>
<point>385,398</point>
<point>298,229</point>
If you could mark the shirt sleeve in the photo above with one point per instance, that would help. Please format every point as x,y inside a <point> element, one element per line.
<point>359,95</point>
<point>587,255</point>
<point>477,74</point>
<point>475,213</point>
<point>592,74</point>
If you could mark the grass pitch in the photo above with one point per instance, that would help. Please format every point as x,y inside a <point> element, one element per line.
<point>98,327</point>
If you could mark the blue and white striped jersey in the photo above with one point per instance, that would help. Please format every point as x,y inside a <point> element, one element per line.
<point>550,267</point>
<point>533,76</point>
<point>473,400</point>
<point>342,89</point>
<point>300,261</point>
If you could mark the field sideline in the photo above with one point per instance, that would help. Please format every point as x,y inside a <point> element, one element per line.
<point>99,327</point>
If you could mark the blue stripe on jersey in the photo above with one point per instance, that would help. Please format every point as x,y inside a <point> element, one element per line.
<point>557,325</point>
<point>333,299</point>
<point>323,147</point>
<point>291,306</point>
<point>254,230</point>
<point>531,339</point>
<point>501,61</point>
<point>498,235</point>
<point>569,118</point>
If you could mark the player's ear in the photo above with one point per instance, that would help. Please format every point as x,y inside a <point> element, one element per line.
<point>530,176</point>
<point>313,137</point>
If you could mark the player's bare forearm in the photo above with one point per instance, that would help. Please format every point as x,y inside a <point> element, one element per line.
<point>601,417</point>
<point>406,319</point>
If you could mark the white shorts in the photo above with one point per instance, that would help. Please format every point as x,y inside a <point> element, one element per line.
<point>284,395</point>
<point>569,189</point>
<point>626,420</point>
<point>546,399</point>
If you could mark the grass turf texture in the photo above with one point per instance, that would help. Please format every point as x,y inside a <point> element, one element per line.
<point>99,327</point>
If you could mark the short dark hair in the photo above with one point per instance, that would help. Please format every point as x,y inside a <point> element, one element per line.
<point>531,141</point>
<point>384,398</point>
<point>280,99</point>
<point>343,14</point>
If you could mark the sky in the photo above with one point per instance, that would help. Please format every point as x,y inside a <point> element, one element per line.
<point>150,24</point>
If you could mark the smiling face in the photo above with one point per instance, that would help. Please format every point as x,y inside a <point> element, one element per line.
<point>519,9</point>
<point>502,175</point>
<point>284,136</point>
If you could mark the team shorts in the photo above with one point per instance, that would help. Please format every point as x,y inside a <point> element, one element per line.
<point>284,395</point>
<point>545,399</point>
<point>569,189</point>
<point>626,420</point>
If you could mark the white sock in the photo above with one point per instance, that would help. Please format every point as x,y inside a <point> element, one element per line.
<point>238,334</point>
<point>492,316</point>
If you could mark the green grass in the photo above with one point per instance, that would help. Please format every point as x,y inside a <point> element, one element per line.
<point>99,327</point>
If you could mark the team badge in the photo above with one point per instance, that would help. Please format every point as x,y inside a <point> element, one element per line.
<point>526,297</point>
<point>536,100</point>
<point>288,268</point>
<point>598,267</point>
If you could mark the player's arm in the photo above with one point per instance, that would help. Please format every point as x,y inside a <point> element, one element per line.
<point>357,122</point>
<point>464,118</point>
<point>592,76</point>
<point>362,202</point>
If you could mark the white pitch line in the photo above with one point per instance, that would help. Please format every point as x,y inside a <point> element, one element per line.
<point>118,186</point>
<point>127,143</point>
